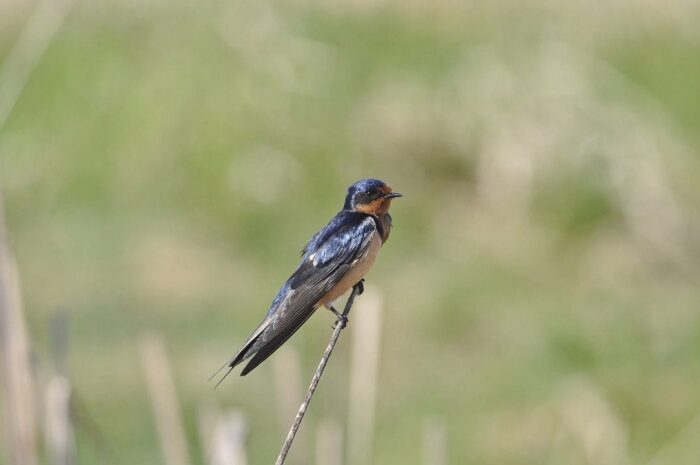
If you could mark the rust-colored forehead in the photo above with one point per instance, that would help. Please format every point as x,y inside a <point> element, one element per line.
<point>384,189</point>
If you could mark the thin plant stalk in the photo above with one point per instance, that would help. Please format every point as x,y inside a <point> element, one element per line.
<point>19,391</point>
<point>329,442</point>
<point>364,373</point>
<point>290,388</point>
<point>342,321</point>
<point>166,410</point>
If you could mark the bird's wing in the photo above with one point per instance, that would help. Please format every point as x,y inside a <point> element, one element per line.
<point>320,270</point>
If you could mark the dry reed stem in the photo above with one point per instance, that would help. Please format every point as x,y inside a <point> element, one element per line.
<point>593,423</point>
<point>290,388</point>
<point>59,432</point>
<point>27,52</point>
<point>363,379</point>
<point>329,443</point>
<point>166,412</point>
<point>228,440</point>
<point>223,436</point>
<point>434,442</point>
<point>60,437</point>
<point>18,380</point>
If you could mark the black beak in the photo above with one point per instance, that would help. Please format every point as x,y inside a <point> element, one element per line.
<point>392,195</point>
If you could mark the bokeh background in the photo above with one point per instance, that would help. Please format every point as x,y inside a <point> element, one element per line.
<point>165,161</point>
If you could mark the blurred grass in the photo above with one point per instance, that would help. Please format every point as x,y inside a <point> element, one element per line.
<point>167,161</point>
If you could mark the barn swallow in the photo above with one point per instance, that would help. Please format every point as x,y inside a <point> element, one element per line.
<point>334,260</point>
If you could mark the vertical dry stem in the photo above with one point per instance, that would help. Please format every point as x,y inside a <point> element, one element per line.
<point>60,438</point>
<point>363,380</point>
<point>290,388</point>
<point>164,400</point>
<point>434,442</point>
<point>329,442</point>
<point>19,386</point>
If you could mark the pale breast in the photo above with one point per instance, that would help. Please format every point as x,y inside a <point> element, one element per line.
<point>358,271</point>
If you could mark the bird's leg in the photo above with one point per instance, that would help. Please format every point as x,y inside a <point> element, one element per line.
<point>340,317</point>
<point>357,289</point>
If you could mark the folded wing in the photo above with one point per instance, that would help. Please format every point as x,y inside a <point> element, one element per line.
<point>336,249</point>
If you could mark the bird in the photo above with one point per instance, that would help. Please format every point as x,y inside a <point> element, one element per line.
<point>334,260</point>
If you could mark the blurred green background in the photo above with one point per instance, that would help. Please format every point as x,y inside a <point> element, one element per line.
<point>167,160</point>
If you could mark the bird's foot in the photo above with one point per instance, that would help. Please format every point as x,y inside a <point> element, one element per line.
<point>360,286</point>
<point>342,320</point>
<point>339,317</point>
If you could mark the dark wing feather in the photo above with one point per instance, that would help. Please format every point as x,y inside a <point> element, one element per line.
<point>271,345</point>
<point>326,259</point>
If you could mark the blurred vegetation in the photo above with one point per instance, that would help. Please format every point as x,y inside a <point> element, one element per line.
<point>166,162</point>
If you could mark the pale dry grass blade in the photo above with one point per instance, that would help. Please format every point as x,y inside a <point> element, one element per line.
<point>59,433</point>
<point>290,389</point>
<point>166,410</point>
<point>27,52</point>
<point>593,424</point>
<point>60,437</point>
<point>434,442</point>
<point>17,372</point>
<point>363,378</point>
<point>229,439</point>
<point>329,442</point>
<point>206,421</point>
<point>223,436</point>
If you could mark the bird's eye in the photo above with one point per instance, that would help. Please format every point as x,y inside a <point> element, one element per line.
<point>369,193</point>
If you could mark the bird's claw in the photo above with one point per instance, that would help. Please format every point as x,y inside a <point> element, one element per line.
<point>341,318</point>
<point>360,286</point>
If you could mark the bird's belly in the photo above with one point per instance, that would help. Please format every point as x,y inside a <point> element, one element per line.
<point>354,274</point>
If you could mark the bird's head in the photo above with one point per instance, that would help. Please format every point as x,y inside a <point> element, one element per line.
<point>370,196</point>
